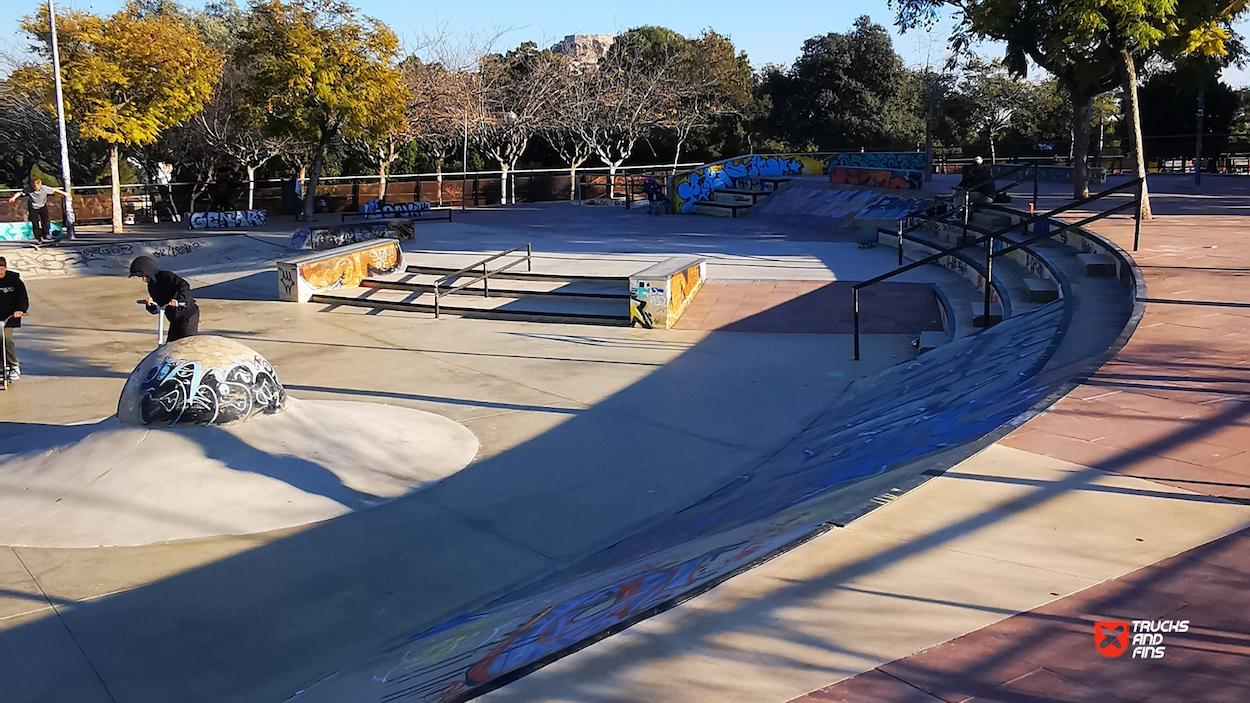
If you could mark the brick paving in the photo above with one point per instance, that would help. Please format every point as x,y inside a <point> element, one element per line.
<point>811,307</point>
<point>1173,407</point>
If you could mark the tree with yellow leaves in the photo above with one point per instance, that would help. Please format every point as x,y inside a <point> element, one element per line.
<point>126,77</point>
<point>321,73</point>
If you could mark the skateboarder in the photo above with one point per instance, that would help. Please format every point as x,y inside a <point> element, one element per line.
<point>14,304</point>
<point>168,289</point>
<point>37,208</point>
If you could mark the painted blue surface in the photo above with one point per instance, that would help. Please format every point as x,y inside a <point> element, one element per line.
<point>23,232</point>
<point>897,160</point>
<point>885,424</point>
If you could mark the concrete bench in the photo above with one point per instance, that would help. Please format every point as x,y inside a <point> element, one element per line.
<point>1041,290</point>
<point>659,294</point>
<point>321,238</point>
<point>979,316</point>
<point>302,277</point>
<point>715,209</point>
<point>932,339</point>
<point>733,197</point>
<point>1098,265</point>
<point>990,220</point>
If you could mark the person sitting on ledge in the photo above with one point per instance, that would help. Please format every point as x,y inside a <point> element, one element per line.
<point>168,289</point>
<point>978,180</point>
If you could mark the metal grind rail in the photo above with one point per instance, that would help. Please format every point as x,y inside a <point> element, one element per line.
<point>486,274</point>
<point>963,209</point>
<point>1023,225</point>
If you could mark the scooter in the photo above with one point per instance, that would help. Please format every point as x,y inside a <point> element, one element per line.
<point>160,320</point>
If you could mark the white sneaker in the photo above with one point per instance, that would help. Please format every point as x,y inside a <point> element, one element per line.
<point>15,373</point>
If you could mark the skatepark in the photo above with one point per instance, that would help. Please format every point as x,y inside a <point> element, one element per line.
<point>531,497</point>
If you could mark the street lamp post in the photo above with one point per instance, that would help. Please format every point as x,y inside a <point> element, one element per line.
<point>1198,146</point>
<point>60,118</point>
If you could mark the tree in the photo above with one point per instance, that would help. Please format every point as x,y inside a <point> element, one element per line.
<point>318,72</point>
<point>996,99</point>
<point>1090,46</point>
<point>513,102</point>
<point>629,81</point>
<point>846,89</point>
<point>126,77</point>
<point>709,81</point>
<point>572,107</point>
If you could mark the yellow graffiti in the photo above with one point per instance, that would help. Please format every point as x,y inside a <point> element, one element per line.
<point>681,290</point>
<point>348,270</point>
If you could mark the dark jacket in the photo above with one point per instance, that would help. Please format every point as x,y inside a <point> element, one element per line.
<point>164,286</point>
<point>13,298</point>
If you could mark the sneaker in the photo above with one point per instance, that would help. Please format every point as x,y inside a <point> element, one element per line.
<point>14,373</point>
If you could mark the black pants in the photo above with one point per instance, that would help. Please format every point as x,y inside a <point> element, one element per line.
<point>39,222</point>
<point>185,326</point>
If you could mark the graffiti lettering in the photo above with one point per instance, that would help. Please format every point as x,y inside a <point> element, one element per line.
<point>230,218</point>
<point>185,393</point>
<point>176,249</point>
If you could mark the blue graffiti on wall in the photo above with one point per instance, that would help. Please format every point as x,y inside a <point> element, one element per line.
<point>905,160</point>
<point>885,424</point>
<point>698,185</point>
<point>22,231</point>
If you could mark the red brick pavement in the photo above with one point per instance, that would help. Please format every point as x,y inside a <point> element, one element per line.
<point>1172,407</point>
<point>813,307</point>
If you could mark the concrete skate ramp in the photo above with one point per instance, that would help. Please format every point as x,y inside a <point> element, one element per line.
<point>314,461</point>
<point>825,203</point>
<point>882,434</point>
<point>187,256</point>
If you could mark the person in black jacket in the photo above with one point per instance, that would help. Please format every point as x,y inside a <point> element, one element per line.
<point>171,290</point>
<point>14,303</point>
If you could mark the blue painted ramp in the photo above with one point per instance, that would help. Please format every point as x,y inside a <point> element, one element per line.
<point>885,432</point>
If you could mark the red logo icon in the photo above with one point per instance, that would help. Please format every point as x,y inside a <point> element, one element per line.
<point>1111,637</point>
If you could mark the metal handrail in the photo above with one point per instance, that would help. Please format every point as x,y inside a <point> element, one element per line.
<point>990,237</point>
<point>965,193</point>
<point>486,274</point>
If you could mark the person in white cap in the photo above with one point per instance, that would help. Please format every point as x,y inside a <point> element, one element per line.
<point>978,179</point>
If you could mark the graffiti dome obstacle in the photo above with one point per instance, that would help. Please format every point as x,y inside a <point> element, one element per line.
<point>200,381</point>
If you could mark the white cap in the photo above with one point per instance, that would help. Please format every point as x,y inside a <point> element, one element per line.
<point>979,161</point>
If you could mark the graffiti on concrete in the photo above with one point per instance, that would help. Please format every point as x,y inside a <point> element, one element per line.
<point>638,313</point>
<point>228,219</point>
<point>23,231</point>
<point>416,209</point>
<point>877,178</point>
<point>699,184</point>
<point>681,289</point>
<point>321,238</point>
<point>349,270</point>
<point>178,249</point>
<point>184,393</point>
<point>886,160</point>
<point>884,424</point>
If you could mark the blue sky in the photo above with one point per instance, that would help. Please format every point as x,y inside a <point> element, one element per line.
<point>771,32</point>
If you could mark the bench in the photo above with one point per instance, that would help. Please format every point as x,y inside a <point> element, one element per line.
<point>1041,290</point>
<point>302,277</point>
<point>1097,265</point>
<point>716,209</point>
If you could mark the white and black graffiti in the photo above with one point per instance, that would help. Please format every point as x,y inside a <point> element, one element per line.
<point>184,393</point>
<point>416,209</point>
<point>235,218</point>
<point>322,238</point>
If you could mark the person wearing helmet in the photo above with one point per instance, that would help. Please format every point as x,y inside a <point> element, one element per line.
<point>168,289</point>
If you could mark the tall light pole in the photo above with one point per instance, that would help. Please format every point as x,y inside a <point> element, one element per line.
<point>60,119</point>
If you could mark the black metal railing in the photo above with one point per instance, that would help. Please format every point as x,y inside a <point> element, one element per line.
<point>484,278</point>
<point>1023,224</point>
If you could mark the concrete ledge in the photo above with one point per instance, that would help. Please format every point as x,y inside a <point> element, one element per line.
<point>932,339</point>
<point>230,219</point>
<point>659,294</point>
<point>1041,290</point>
<point>1099,265</point>
<point>302,277</point>
<point>329,237</point>
<point>978,314</point>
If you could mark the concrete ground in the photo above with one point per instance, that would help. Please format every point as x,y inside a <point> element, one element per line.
<point>1075,517</point>
<point>586,434</point>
